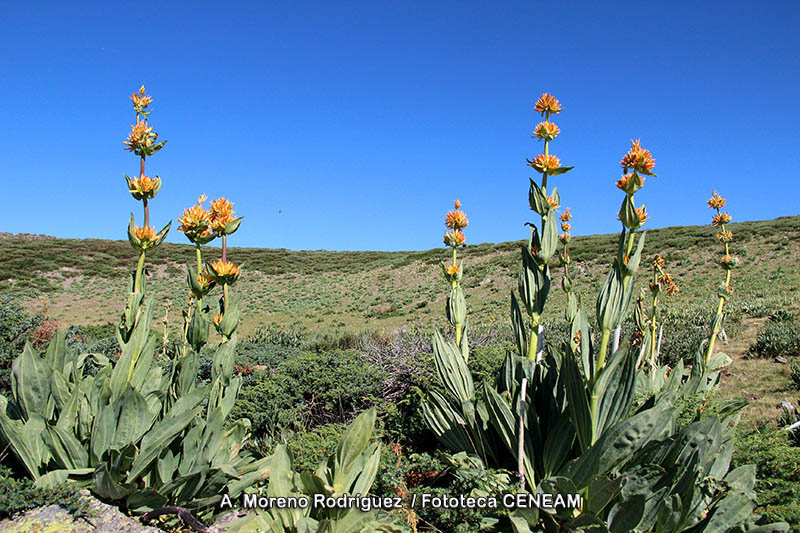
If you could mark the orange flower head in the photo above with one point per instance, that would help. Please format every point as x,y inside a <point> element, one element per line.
<point>205,279</point>
<point>669,285</point>
<point>452,270</point>
<point>728,262</point>
<point>566,216</point>
<point>195,222</point>
<point>566,227</point>
<point>564,238</point>
<point>725,236</point>
<point>455,238</point>
<point>638,159</point>
<point>456,220</point>
<point>545,163</point>
<point>546,130</point>
<point>458,204</point>
<point>141,100</point>
<point>221,214</point>
<point>143,187</point>
<point>225,268</point>
<point>145,233</point>
<point>553,202</point>
<point>716,201</point>
<point>141,136</point>
<point>643,216</point>
<point>548,103</point>
<point>630,183</point>
<point>720,219</point>
<point>658,261</point>
<point>217,319</point>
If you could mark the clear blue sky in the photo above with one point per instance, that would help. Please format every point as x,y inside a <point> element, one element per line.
<point>363,121</point>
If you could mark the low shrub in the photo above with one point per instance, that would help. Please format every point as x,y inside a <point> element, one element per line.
<point>777,473</point>
<point>19,494</point>
<point>16,326</point>
<point>308,390</point>
<point>777,338</point>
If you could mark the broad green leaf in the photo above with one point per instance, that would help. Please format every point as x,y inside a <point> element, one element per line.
<point>30,382</point>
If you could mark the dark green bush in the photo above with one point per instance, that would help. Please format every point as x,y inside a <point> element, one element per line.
<point>308,448</point>
<point>777,471</point>
<point>16,326</point>
<point>18,495</point>
<point>777,338</point>
<point>308,390</point>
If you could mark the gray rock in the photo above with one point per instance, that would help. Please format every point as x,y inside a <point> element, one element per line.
<point>102,518</point>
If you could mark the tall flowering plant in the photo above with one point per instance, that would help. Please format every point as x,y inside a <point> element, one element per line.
<point>534,275</point>
<point>646,318</point>
<point>201,226</point>
<point>571,309</point>
<point>456,221</point>
<point>133,431</point>
<point>566,429</point>
<point>141,142</point>
<point>728,262</point>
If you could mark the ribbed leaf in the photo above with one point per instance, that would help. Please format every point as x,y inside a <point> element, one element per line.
<point>164,432</point>
<point>134,419</point>
<point>446,423</point>
<point>67,450</point>
<point>27,445</point>
<point>103,430</point>
<point>577,401</point>
<point>558,446</point>
<point>734,509</point>
<point>518,323</point>
<point>105,486</point>
<point>355,439</point>
<point>620,442</point>
<point>132,350</point>
<point>56,351</point>
<point>452,369</point>
<point>30,382</point>
<point>615,386</point>
<point>549,238</point>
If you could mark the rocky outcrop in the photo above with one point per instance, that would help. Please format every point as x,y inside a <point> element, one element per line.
<point>102,518</point>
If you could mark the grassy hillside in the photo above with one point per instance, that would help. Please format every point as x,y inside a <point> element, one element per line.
<point>302,387</point>
<point>82,281</point>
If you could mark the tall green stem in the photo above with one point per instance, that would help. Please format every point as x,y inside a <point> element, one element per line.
<point>653,321</point>
<point>716,329</point>
<point>225,301</point>
<point>199,256</point>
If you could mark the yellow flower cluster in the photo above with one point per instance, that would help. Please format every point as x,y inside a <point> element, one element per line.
<point>456,221</point>
<point>638,159</point>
